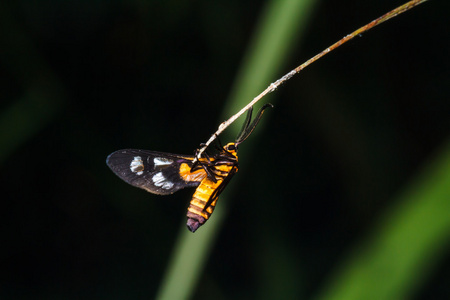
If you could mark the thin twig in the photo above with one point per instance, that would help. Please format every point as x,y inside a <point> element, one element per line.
<point>273,86</point>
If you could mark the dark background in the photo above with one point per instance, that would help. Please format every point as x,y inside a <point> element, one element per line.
<point>85,78</point>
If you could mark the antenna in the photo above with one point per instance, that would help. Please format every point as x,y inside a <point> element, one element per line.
<point>273,86</point>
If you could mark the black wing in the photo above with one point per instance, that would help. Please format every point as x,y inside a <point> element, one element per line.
<point>155,172</point>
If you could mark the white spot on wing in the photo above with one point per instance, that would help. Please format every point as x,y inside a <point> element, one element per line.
<point>167,185</point>
<point>161,161</point>
<point>137,165</point>
<point>160,180</point>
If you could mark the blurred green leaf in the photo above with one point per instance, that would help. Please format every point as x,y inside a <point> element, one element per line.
<point>406,244</point>
<point>281,26</point>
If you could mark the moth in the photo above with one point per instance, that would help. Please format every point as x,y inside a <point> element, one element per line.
<point>165,173</point>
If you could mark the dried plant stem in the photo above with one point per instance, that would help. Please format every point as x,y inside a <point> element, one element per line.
<point>273,86</point>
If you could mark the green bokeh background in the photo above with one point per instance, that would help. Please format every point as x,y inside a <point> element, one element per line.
<point>343,191</point>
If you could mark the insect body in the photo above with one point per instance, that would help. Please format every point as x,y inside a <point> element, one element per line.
<point>164,173</point>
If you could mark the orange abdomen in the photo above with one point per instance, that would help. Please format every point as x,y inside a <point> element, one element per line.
<point>198,213</point>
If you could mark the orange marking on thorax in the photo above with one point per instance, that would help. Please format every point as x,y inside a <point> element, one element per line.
<point>185,173</point>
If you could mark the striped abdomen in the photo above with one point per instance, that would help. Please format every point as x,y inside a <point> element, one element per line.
<point>205,197</point>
